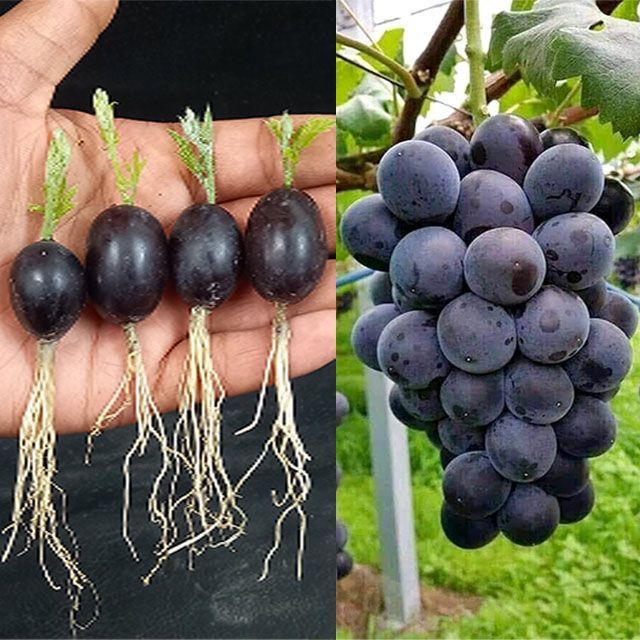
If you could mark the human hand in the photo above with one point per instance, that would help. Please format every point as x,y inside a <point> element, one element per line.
<point>40,41</point>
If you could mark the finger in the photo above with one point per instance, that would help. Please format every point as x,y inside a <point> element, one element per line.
<point>40,41</point>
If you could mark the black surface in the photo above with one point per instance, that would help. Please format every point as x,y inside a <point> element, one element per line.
<point>246,59</point>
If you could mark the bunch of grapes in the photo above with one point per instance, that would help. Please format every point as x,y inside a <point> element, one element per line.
<point>344,561</point>
<point>493,318</point>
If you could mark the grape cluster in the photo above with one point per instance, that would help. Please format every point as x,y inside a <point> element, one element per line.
<point>344,561</point>
<point>493,317</point>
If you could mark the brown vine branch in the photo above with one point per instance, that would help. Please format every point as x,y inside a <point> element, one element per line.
<point>425,68</point>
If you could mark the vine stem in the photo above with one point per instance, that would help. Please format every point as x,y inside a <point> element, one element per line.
<point>554,118</point>
<point>413,91</point>
<point>475,56</point>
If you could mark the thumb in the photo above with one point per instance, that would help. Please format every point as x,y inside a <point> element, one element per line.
<point>40,41</point>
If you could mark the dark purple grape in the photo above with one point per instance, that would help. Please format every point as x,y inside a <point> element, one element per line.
<point>344,564</point>
<point>454,144</point>
<point>530,516</point>
<point>426,267</point>
<point>127,263</point>
<point>466,533</point>
<point>47,289</point>
<point>616,205</point>
<point>419,182</point>
<point>366,333</point>
<point>520,451</point>
<point>588,430</point>
<point>566,477</point>
<point>205,250</point>
<point>552,326</point>
<point>628,271</point>
<point>578,248</point>
<point>342,536</point>
<point>471,486</point>
<point>423,404</point>
<point>604,361</point>
<point>401,414</point>
<point>490,200</point>
<point>286,247</point>
<point>409,353</point>
<point>564,178</point>
<point>505,266</point>
<point>446,457</point>
<point>578,507</point>
<point>475,335</point>
<point>594,296</point>
<point>380,288</point>
<point>562,135</point>
<point>342,407</point>
<point>538,393</point>
<point>459,438</point>
<point>506,143</point>
<point>370,232</point>
<point>619,310</point>
<point>473,400</point>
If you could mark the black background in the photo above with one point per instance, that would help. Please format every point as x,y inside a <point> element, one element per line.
<point>246,59</point>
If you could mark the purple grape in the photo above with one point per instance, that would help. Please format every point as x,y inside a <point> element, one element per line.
<point>604,361</point>
<point>578,248</point>
<point>342,407</point>
<point>423,404</point>
<point>471,486</point>
<point>538,393</point>
<point>426,267</point>
<point>588,430</point>
<point>552,326</point>
<point>578,507</point>
<point>398,409</point>
<point>566,477</point>
<point>446,457</point>
<point>409,353</point>
<point>562,135</point>
<point>505,266</point>
<point>454,144</point>
<point>473,400</point>
<point>506,143</point>
<point>530,516</point>
<point>366,333</point>
<point>342,536</point>
<point>380,288</point>
<point>466,533</point>
<point>459,438</point>
<point>402,302</point>
<point>594,296</point>
<point>475,335</point>
<point>489,200</point>
<point>520,451</point>
<point>619,310</point>
<point>370,232</point>
<point>419,182</point>
<point>616,205</point>
<point>564,178</point>
<point>344,564</point>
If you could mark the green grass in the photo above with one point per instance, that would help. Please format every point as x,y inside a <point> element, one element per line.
<point>583,583</point>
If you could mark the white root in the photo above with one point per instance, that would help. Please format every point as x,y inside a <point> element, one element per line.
<point>36,496</point>
<point>209,506</point>
<point>284,442</point>
<point>134,387</point>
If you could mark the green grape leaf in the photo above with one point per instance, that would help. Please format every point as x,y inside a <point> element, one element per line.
<point>445,78</point>
<point>348,77</point>
<point>561,39</point>
<point>522,5</point>
<point>391,43</point>
<point>603,138</point>
<point>365,119</point>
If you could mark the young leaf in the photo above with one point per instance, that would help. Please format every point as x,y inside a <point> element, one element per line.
<point>195,148</point>
<point>58,196</point>
<point>560,39</point>
<point>127,174</point>
<point>292,141</point>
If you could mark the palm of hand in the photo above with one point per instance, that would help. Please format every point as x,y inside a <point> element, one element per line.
<point>91,357</point>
